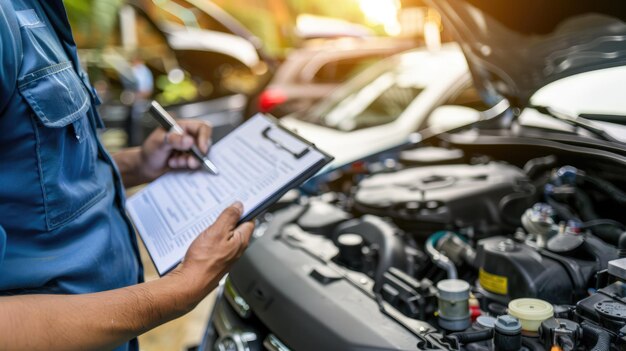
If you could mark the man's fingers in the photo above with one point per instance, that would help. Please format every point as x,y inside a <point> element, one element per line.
<point>203,137</point>
<point>179,159</point>
<point>179,141</point>
<point>192,162</point>
<point>228,219</point>
<point>244,233</point>
<point>201,131</point>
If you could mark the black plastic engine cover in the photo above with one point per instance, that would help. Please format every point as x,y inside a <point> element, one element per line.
<point>510,270</point>
<point>426,199</point>
<point>305,304</point>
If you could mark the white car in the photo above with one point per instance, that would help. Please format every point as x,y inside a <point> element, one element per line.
<point>380,108</point>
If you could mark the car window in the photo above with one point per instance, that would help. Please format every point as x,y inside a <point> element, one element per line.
<point>342,70</point>
<point>380,102</point>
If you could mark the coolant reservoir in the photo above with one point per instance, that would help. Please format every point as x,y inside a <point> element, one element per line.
<point>453,298</point>
<point>531,312</point>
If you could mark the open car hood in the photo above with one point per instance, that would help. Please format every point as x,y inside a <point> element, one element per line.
<point>515,47</point>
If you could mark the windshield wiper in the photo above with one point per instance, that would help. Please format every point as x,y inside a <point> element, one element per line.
<point>576,121</point>
<point>603,117</point>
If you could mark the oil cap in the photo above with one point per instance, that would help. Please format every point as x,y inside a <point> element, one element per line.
<point>531,312</point>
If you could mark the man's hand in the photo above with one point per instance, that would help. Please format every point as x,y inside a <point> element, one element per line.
<point>214,250</point>
<point>107,319</point>
<point>163,151</point>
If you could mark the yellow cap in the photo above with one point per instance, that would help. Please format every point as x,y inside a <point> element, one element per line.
<point>531,312</point>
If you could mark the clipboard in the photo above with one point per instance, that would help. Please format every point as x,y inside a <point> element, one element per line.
<point>170,212</point>
<point>266,133</point>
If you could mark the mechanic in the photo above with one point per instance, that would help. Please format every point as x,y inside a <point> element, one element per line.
<point>70,275</point>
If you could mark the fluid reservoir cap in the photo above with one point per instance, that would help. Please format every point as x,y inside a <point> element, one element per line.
<point>350,246</point>
<point>565,243</point>
<point>486,322</point>
<point>508,325</point>
<point>611,309</point>
<point>453,289</point>
<point>350,239</point>
<point>531,312</point>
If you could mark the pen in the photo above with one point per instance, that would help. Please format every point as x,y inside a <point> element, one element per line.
<point>166,121</point>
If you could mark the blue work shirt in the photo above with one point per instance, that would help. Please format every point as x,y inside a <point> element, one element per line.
<point>63,228</point>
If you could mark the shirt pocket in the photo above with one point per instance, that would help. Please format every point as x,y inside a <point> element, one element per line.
<point>66,143</point>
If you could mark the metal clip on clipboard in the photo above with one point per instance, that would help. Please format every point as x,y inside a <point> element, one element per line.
<point>297,155</point>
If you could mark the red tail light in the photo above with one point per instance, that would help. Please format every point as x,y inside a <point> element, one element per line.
<point>271,98</point>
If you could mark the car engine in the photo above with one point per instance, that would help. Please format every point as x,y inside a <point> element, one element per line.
<point>467,253</point>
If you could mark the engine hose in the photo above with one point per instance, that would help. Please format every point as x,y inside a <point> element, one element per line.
<point>606,229</point>
<point>584,205</point>
<point>602,221</point>
<point>621,246</point>
<point>439,259</point>
<point>608,188</point>
<point>562,210</point>
<point>532,346</point>
<point>473,336</point>
<point>599,338</point>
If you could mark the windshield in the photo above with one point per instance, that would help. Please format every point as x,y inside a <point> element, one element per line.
<point>377,96</point>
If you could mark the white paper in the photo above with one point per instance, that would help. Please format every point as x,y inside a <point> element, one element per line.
<point>171,211</point>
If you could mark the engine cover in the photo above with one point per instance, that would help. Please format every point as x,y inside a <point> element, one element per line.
<point>427,199</point>
<point>306,300</point>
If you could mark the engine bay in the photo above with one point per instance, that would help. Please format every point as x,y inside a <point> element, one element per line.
<point>470,252</point>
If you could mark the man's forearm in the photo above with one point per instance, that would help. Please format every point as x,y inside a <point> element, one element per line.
<point>91,321</point>
<point>128,162</point>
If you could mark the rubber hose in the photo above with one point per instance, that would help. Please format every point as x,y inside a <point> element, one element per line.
<point>532,346</point>
<point>600,338</point>
<point>473,336</point>
<point>562,210</point>
<point>610,189</point>
<point>621,245</point>
<point>607,232</point>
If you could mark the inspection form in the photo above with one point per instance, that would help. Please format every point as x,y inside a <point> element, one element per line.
<point>257,162</point>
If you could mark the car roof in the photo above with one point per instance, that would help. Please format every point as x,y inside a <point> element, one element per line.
<point>302,64</point>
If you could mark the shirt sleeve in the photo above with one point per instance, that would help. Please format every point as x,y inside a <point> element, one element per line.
<point>3,244</point>
<point>8,58</point>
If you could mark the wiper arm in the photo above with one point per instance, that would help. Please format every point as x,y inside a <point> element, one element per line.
<point>576,121</point>
<point>603,117</point>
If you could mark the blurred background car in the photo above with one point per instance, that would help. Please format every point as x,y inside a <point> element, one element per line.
<point>311,72</point>
<point>202,62</point>
<point>312,27</point>
<point>379,109</point>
